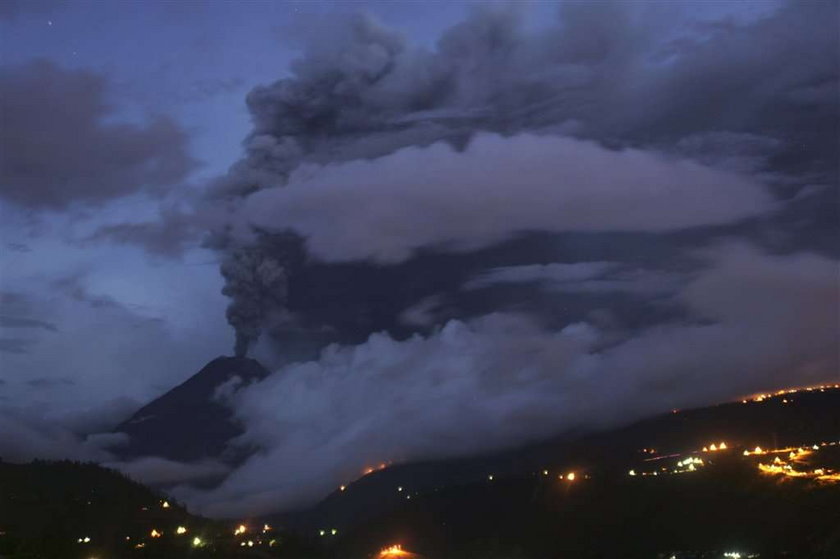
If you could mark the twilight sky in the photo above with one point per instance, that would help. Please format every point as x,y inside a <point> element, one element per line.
<point>529,217</point>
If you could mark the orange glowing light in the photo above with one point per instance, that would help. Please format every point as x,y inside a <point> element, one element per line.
<point>570,476</point>
<point>241,529</point>
<point>155,534</point>
<point>393,551</point>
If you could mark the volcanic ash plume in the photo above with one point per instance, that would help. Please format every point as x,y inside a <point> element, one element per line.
<point>257,287</point>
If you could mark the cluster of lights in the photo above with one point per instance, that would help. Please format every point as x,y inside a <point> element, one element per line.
<point>569,476</point>
<point>633,473</point>
<point>768,395</point>
<point>367,471</point>
<point>715,447</point>
<point>780,467</point>
<point>689,464</point>
<point>331,532</point>
<point>370,469</point>
<point>758,451</point>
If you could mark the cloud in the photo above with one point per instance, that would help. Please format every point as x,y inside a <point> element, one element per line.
<point>108,346</point>
<point>10,10</point>
<point>494,189</point>
<point>160,471</point>
<point>579,277</point>
<point>61,146</point>
<point>349,150</point>
<point>22,322</point>
<point>553,272</point>
<point>15,345</point>
<point>619,72</point>
<point>18,247</point>
<point>49,382</point>
<point>25,436</point>
<point>755,322</point>
<point>170,236</point>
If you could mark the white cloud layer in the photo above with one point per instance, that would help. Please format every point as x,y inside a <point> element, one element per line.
<point>385,209</point>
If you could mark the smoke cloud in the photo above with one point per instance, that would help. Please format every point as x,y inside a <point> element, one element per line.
<point>256,285</point>
<point>374,149</point>
<point>754,321</point>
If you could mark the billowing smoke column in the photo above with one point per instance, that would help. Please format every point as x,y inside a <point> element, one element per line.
<point>610,72</point>
<point>256,285</point>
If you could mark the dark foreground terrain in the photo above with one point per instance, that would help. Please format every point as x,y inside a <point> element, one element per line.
<point>685,485</point>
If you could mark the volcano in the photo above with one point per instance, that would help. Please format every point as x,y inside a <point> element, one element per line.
<point>189,422</point>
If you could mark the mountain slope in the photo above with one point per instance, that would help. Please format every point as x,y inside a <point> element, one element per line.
<point>792,420</point>
<point>188,423</point>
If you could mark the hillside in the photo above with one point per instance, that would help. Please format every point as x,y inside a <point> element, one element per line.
<point>759,478</point>
<point>69,510</point>
<point>725,509</point>
<point>769,421</point>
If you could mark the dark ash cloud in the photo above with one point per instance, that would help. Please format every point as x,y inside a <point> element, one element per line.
<point>59,146</point>
<point>630,78</point>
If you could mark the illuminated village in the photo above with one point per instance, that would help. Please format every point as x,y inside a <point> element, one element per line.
<point>169,526</point>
